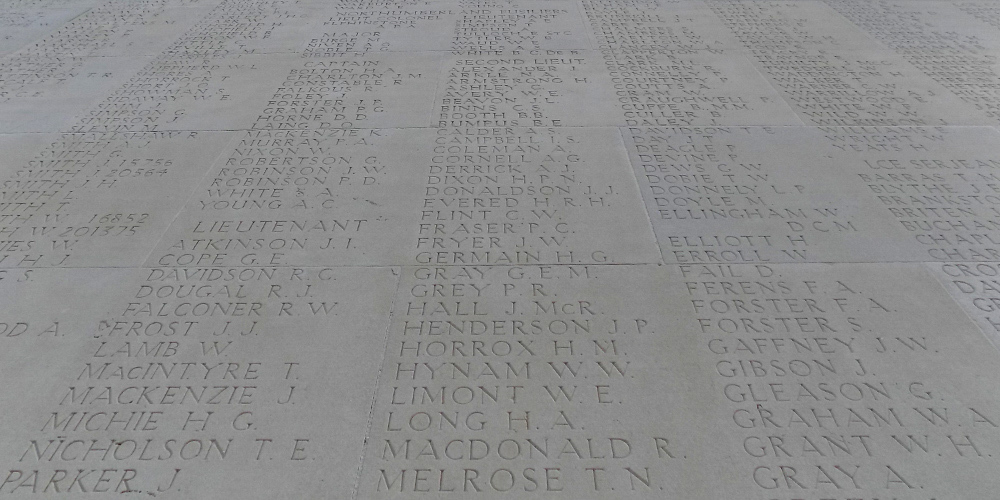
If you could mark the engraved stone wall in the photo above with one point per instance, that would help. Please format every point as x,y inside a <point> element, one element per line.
<point>500,249</point>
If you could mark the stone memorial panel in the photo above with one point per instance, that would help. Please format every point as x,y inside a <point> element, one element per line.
<point>841,381</point>
<point>27,20</point>
<point>62,206</point>
<point>819,194</point>
<point>190,382</point>
<point>460,194</point>
<point>500,249</point>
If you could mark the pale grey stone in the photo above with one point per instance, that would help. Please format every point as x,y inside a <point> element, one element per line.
<point>911,358</point>
<point>749,194</point>
<point>415,249</point>
<point>42,94</point>
<point>818,194</point>
<point>974,286</point>
<point>402,196</point>
<point>106,202</point>
<point>709,401</point>
<point>260,374</point>
<point>27,21</point>
<point>951,43</point>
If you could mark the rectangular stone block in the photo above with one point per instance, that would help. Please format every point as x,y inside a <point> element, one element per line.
<point>448,196</point>
<point>97,199</point>
<point>854,380</point>
<point>42,94</point>
<point>180,382</point>
<point>817,194</point>
<point>764,380</point>
<point>571,249</point>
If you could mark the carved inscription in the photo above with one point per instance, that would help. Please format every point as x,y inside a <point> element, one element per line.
<point>517,381</point>
<point>570,249</point>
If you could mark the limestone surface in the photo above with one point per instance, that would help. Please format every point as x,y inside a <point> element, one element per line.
<point>500,249</point>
